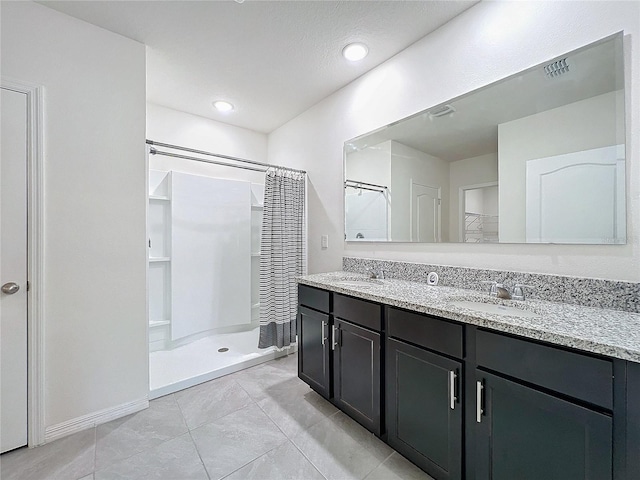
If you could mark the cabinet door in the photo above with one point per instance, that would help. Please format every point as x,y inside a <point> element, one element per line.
<point>314,350</point>
<point>526,434</point>
<point>356,377</point>
<point>424,413</point>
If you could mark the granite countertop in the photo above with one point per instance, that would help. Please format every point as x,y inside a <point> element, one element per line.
<point>606,332</point>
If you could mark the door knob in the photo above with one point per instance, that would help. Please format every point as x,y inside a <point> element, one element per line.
<point>10,288</point>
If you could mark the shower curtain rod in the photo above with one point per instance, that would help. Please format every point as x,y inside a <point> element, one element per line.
<point>357,184</point>
<point>379,190</point>
<point>265,166</point>
<point>153,151</point>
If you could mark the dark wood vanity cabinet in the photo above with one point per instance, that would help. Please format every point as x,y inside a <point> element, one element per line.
<point>423,388</point>
<point>357,350</point>
<point>314,347</point>
<point>541,411</point>
<point>528,434</point>
<point>340,351</point>
<point>463,402</point>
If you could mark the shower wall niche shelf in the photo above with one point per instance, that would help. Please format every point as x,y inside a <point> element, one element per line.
<point>257,207</point>
<point>159,245</point>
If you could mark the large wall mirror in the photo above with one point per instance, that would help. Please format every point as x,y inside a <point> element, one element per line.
<point>538,157</point>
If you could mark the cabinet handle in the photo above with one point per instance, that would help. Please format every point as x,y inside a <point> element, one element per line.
<point>323,337</point>
<point>452,389</point>
<point>333,337</point>
<point>479,410</point>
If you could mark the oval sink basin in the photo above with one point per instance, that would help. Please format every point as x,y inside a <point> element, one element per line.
<point>494,308</point>
<point>359,283</point>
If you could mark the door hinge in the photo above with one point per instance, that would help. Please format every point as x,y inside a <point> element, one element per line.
<point>28,286</point>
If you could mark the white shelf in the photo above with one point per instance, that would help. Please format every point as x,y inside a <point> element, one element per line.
<point>164,198</point>
<point>159,259</point>
<point>255,305</point>
<point>158,323</point>
<point>255,254</point>
<point>257,207</point>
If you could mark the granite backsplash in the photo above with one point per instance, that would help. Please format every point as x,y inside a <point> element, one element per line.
<point>590,292</point>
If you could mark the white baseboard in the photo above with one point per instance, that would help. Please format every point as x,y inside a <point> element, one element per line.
<point>78,424</point>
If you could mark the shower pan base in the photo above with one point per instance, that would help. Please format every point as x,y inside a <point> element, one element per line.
<point>201,361</point>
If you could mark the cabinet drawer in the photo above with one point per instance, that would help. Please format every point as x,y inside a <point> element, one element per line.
<point>358,311</point>
<point>426,331</point>
<point>580,376</point>
<point>313,298</point>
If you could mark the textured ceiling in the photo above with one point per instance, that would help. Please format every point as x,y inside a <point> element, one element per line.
<point>271,59</point>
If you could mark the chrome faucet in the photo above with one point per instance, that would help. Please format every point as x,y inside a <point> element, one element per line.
<point>494,287</point>
<point>502,292</point>
<point>498,290</point>
<point>518,291</point>
<point>379,274</point>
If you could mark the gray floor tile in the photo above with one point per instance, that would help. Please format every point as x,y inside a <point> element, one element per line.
<point>282,463</point>
<point>141,431</point>
<point>68,458</point>
<point>296,408</point>
<point>288,363</point>
<point>261,380</point>
<point>235,440</point>
<point>172,460</point>
<point>237,424</point>
<point>396,467</point>
<point>215,399</point>
<point>341,449</point>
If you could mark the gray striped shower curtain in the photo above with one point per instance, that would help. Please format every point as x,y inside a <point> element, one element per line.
<point>281,256</point>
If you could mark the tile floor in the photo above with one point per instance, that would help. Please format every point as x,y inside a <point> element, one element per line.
<point>261,423</point>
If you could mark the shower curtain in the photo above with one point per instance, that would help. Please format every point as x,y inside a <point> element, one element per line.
<point>281,256</point>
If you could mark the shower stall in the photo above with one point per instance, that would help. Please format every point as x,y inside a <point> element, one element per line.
<point>204,254</point>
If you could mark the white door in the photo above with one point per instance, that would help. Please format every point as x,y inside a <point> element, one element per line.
<point>425,213</point>
<point>577,197</point>
<point>13,270</point>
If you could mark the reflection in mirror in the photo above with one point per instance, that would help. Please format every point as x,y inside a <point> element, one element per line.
<point>479,214</point>
<point>366,210</point>
<point>538,157</point>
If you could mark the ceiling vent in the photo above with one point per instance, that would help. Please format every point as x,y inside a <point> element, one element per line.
<point>557,68</point>
<point>441,111</point>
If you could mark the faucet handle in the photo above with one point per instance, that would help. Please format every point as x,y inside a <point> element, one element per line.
<point>518,291</point>
<point>494,286</point>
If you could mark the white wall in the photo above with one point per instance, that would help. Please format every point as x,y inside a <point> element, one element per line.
<point>488,42</point>
<point>179,128</point>
<point>95,239</point>
<point>371,165</point>
<point>579,126</point>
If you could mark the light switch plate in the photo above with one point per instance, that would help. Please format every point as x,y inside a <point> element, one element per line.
<point>324,241</point>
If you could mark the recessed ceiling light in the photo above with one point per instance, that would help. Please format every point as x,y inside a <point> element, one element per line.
<point>355,51</point>
<point>223,106</point>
